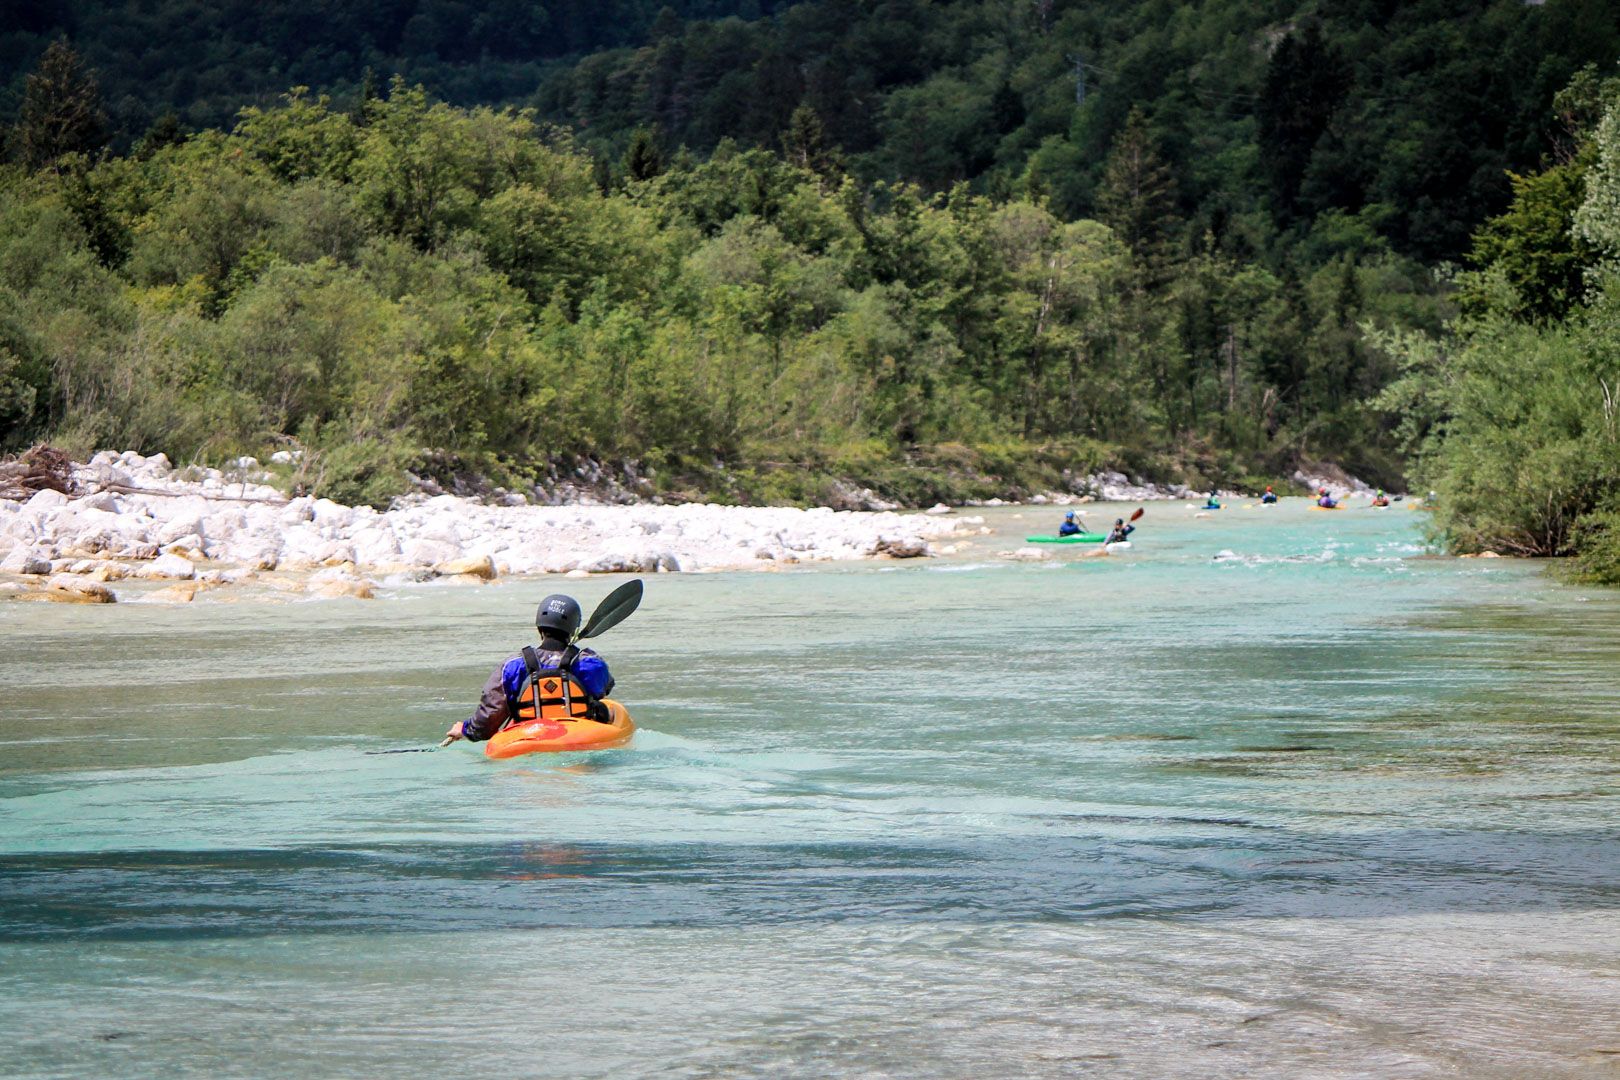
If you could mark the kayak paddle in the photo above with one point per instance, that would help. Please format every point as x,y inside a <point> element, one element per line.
<point>615,607</point>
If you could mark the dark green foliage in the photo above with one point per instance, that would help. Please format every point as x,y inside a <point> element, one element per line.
<point>1597,541</point>
<point>60,112</point>
<point>165,131</point>
<point>388,277</point>
<point>1521,438</point>
<point>207,61</point>
<point>1269,115</point>
<point>1512,411</point>
<point>644,160</point>
<point>804,143</point>
<point>1306,81</point>
<point>1137,196</point>
<point>1532,250</point>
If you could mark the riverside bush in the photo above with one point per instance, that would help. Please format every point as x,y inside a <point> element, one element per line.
<point>1597,539</point>
<point>1514,412</point>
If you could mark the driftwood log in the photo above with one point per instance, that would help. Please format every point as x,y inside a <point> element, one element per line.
<point>45,467</point>
<point>126,489</point>
<point>40,469</point>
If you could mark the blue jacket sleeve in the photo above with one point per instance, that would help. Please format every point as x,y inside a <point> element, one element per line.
<point>592,672</point>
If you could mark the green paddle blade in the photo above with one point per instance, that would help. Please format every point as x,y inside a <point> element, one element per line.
<point>613,609</point>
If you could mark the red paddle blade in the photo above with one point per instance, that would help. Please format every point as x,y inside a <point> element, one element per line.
<point>1140,510</point>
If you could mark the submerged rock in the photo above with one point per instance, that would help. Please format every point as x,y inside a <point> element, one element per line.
<point>79,591</point>
<point>481,567</point>
<point>183,593</point>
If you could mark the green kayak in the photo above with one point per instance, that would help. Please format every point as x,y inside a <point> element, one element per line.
<point>1077,538</point>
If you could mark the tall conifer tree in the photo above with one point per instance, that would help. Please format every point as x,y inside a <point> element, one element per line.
<point>61,110</point>
<point>1137,197</point>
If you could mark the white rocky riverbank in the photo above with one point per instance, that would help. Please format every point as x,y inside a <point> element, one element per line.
<point>143,519</point>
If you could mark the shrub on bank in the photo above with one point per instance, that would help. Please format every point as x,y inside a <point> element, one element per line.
<point>1597,544</point>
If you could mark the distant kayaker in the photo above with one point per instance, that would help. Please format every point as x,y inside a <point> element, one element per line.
<point>1120,531</point>
<point>1270,496</point>
<point>1380,499</point>
<point>1070,526</point>
<point>1324,500</point>
<point>569,682</point>
<point>1212,503</point>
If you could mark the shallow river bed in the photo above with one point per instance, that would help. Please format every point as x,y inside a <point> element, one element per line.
<point>1270,794</point>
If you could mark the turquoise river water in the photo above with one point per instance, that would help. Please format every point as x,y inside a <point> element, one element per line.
<point>1319,806</point>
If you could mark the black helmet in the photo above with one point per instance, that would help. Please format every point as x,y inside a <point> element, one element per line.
<point>558,617</point>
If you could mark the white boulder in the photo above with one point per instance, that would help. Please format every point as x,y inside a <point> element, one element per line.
<point>25,560</point>
<point>169,566</point>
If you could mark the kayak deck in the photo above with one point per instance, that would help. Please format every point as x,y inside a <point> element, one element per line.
<point>557,736</point>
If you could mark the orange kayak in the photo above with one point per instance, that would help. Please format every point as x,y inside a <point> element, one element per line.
<point>1339,507</point>
<point>554,736</point>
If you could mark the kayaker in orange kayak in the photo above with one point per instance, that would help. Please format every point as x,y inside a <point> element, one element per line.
<point>554,682</point>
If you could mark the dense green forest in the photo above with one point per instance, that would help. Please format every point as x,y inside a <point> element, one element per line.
<point>756,246</point>
<point>1402,116</point>
<point>204,62</point>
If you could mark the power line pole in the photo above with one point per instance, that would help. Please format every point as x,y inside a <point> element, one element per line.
<point>1079,63</point>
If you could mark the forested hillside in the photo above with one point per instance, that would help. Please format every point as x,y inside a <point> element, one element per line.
<point>740,243</point>
<point>203,62</point>
<point>1403,115</point>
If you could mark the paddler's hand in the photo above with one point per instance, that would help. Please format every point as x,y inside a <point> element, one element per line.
<point>454,733</point>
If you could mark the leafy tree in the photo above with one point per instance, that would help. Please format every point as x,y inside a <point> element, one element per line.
<point>1534,247</point>
<point>302,139</point>
<point>1597,222</point>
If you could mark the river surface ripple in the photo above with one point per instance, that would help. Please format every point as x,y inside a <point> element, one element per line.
<point>1269,795</point>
